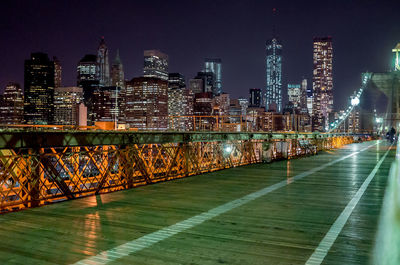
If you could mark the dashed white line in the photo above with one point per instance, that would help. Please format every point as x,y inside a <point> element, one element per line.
<point>325,245</point>
<point>162,234</point>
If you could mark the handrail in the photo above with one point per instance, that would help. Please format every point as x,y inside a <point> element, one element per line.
<point>44,139</point>
<point>387,243</point>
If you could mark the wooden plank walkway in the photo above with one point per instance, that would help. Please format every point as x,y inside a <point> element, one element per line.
<point>282,227</point>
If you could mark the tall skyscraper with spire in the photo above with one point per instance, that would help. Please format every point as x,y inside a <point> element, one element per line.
<point>104,66</point>
<point>117,72</point>
<point>273,75</point>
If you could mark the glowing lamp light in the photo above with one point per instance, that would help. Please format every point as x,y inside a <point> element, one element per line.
<point>355,101</point>
<point>228,149</point>
<point>379,120</point>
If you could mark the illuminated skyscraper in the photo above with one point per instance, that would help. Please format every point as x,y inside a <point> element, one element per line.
<point>39,89</point>
<point>57,72</point>
<point>294,94</point>
<point>322,82</point>
<point>396,57</point>
<point>273,89</point>
<point>102,61</point>
<point>180,108</point>
<point>303,96</point>
<point>12,105</point>
<point>155,64</point>
<point>108,104</point>
<point>147,103</point>
<point>176,80</point>
<point>255,98</point>
<point>208,81</point>
<point>196,85</point>
<point>180,103</point>
<point>66,103</point>
<point>244,104</point>
<point>214,66</point>
<point>88,78</point>
<point>117,72</point>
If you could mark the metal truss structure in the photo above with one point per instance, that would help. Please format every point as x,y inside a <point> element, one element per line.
<point>40,167</point>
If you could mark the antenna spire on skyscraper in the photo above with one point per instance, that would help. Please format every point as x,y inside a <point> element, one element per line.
<point>273,22</point>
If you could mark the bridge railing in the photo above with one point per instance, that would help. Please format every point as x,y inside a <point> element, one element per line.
<point>38,168</point>
<point>387,251</point>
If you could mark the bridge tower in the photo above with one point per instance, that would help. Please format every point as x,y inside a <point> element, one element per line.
<point>389,84</point>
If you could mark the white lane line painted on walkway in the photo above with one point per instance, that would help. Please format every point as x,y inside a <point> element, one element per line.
<point>324,246</point>
<point>162,234</point>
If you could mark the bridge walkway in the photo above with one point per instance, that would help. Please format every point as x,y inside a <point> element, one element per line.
<point>277,213</point>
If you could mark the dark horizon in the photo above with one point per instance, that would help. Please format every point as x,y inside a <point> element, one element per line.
<point>363,34</point>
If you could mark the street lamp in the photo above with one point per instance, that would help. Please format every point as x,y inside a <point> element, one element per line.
<point>355,101</point>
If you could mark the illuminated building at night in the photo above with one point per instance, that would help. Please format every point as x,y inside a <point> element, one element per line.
<point>202,103</point>
<point>255,98</point>
<point>354,121</point>
<point>176,80</point>
<point>57,73</point>
<point>309,96</point>
<point>221,104</point>
<point>208,81</point>
<point>109,104</point>
<point>214,66</point>
<point>396,57</point>
<point>155,64</point>
<point>303,96</point>
<point>88,79</point>
<point>196,85</point>
<point>273,90</point>
<point>117,72</point>
<point>322,82</point>
<point>12,105</point>
<point>147,103</point>
<point>294,94</point>
<point>66,104</point>
<point>244,104</point>
<point>180,103</point>
<point>39,89</point>
<point>104,66</point>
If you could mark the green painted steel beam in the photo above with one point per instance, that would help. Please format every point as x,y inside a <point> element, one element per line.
<point>10,139</point>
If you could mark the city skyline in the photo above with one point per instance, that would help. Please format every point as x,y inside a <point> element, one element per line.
<point>354,37</point>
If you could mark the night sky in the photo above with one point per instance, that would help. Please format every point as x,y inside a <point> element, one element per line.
<point>363,32</point>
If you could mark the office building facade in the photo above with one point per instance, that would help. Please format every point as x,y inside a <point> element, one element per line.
<point>39,89</point>
<point>109,104</point>
<point>88,76</point>
<point>196,85</point>
<point>176,81</point>
<point>147,103</point>
<point>57,72</point>
<point>294,95</point>
<point>103,63</point>
<point>208,81</point>
<point>255,98</point>
<point>155,64</point>
<point>214,66</point>
<point>180,109</point>
<point>117,72</point>
<point>66,104</point>
<point>273,90</point>
<point>322,82</point>
<point>12,105</point>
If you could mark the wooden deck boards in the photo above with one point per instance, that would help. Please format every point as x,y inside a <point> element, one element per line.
<point>282,227</point>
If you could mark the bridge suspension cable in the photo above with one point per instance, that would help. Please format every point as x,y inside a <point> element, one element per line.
<point>354,102</point>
